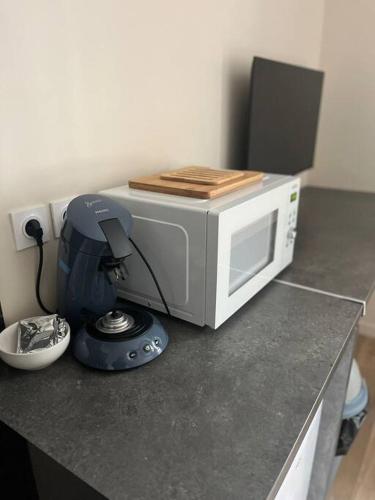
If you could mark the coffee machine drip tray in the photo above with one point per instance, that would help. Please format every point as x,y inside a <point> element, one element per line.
<point>115,322</point>
<point>121,339</point>
<point>118,325</point>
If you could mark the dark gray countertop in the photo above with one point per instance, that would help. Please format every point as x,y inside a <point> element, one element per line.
<point>215,417</point>
<point>335,248</point>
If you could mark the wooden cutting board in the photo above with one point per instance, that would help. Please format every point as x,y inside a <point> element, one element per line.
<point>202,175</point>
<point>197,182</point>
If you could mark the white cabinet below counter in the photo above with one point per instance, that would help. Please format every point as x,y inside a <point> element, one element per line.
<point>296,483</point>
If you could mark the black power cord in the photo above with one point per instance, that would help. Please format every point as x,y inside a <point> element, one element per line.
<point>152,274</point>
<point>35,230</point>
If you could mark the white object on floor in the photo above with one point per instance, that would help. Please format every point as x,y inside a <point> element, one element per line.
<point>31,360</point>
<point>354,384</point>
<point>356,393</point>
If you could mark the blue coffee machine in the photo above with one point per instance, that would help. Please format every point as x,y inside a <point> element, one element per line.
<point>94,244</point>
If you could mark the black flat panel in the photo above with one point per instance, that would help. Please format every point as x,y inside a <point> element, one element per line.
<point>54,482</point>
<point>16,474</point>
<point>2,324</point>
<point>284,113</point>
<point>116,237</point>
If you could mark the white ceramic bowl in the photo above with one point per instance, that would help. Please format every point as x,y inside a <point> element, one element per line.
<point>31,360</point>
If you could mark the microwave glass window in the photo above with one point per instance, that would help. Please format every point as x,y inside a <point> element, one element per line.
<point>252,249</point>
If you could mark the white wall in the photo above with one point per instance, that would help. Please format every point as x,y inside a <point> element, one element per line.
<point>93,92</point>
<point>345,155</point>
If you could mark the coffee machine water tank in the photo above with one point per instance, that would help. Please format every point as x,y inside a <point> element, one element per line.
<point>94,244</point>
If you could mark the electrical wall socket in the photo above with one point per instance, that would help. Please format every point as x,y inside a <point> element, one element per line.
<point>58,212</point>
<point>19,219</point>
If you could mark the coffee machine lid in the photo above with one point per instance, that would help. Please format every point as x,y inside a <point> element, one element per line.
<point>86,212</point>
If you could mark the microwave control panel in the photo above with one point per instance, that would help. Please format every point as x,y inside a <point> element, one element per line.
<point>292,213</point>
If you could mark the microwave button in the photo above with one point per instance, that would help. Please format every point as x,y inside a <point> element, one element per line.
<point>147,348</point>
<point>291,235</point>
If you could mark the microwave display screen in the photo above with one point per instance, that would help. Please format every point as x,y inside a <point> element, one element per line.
<point>252,249</point>
<point>293,197</point>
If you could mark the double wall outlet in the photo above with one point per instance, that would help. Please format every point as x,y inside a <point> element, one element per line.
<point>20,218</point>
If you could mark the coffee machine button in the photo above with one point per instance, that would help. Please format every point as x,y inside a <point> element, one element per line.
<point>147,348</point>
<point>132,354</point>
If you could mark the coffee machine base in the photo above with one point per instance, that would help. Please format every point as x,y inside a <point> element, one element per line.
<point>124,338</point>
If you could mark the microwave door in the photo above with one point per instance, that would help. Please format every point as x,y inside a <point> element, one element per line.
<point>260,236</point>
<point>245,247</point>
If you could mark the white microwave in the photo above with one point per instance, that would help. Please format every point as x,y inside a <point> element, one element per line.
<point>209,256</point>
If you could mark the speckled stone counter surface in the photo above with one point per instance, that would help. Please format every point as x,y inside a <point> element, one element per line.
<point>214,417</point>
<point>335,247</point>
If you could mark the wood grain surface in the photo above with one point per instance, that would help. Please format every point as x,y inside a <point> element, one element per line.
<point>196,189</point>
<point>202,175</point>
